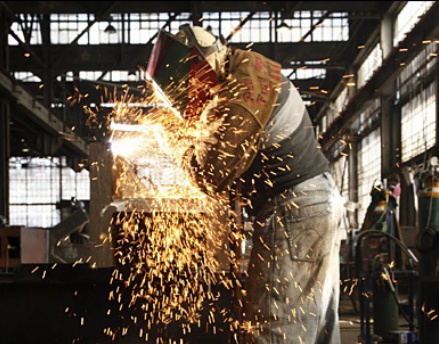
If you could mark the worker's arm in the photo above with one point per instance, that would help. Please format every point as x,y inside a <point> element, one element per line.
<point>227,152</point>
<point>245,103</point>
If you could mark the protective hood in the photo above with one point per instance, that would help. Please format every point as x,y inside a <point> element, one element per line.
<point>183,73</point>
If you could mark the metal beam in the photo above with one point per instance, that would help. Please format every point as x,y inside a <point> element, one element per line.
<point>311,30</point>
<point>109,56</point>
<point>240,26</point>
<point>49,7</point>
<point>94,94</point>
<point>36,112</point>
<point>26,44</point>
<point>196,13</point>
<point>47,78</point>
<point>4,157</point>
<point>5,23</point>
<point>29,49</point>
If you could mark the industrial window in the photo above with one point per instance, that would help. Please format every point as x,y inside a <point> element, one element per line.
<point>333,28</point>
<point>408,18</point>
<point>75,184</point>
<point>140,28</point>
<point>133,28</point>
<point>340,103</point>
<point>257,29</point>
<point>335,109</point>
<point>299,26</point>
<point>288,72</point>
<point>26,77</point>
<point>369,170</point>
<point>69,76</point>
<point>323,126</point>
<point>329,119</point>
<point>304,73</point>
<point>418,123</point>
<point>113,76</point>
<point>308,73</point>
<point>27,28</point>
<point>37,185</point>
<point>230,21</point>
<point>64,28</point>
<point>369,118</point>
<point>340,171</point>
<point>117,76</point>
<point>143,26</point>
<point>90,75</point>
<point>418,69</point>
<point>370,65</point>
<point>212,19</point>
<point>182,18</point>
<point>97,33</point>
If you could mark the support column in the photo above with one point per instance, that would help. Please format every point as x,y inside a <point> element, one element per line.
<point>47,74</point>
<point>390,126</point>
<point>5,117</point>
<point>196,13</point>
<point>101,195</point>
<point>387,35</point>
<point>436,150</point>
<point>353,174</point>
<point>5,23</point>
<point>389,120</point>
<point>4,157</point>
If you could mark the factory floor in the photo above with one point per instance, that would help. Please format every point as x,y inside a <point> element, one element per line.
<point>350,322</point>
<point>85,291</point>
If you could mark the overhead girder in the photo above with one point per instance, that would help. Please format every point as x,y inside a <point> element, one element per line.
<point>75,58</point>
<point>94,89</point>
<point>24,105</point>
<point>112,57</point>
<point>50,7</point>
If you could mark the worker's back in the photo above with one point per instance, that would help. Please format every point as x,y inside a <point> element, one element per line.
<point>288,152</point>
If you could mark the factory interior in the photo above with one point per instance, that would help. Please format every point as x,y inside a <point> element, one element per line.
<point>105,237</point>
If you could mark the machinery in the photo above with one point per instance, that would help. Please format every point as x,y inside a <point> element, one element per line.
<point>380,268</point>
<point>428,246</point>
<point>24,245</point>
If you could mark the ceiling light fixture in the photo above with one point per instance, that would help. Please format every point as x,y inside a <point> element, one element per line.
<point>110,29</point>
<point>283,27</point>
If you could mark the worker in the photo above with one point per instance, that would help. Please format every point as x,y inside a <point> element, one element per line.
<point>257,130</point>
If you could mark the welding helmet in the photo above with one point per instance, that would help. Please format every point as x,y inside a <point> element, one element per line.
<point>178,65</point>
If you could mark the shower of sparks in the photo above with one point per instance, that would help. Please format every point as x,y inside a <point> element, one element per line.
<point>167,240</point>
<point>430,314</point>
